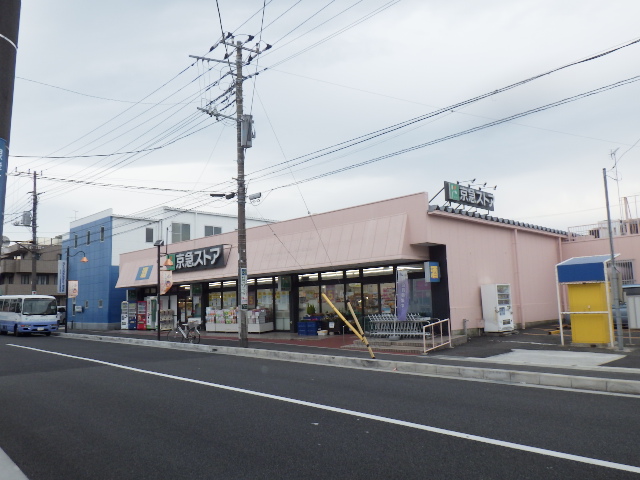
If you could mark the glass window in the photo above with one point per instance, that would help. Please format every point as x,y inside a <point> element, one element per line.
<point>331,276</point>
<point>308,300</point>
<point>354,297</point>
<point>229,299</point>
<point>352,273</point>
<point>148,233</point>
<point>15,305</point>
<point>25,278</point>
<point>417,269</point>
<point>75,240</point>
<point>370,272</point>
<point>100,303</point>
<point>215,300</point>
<point>335,294</point>
<point>39,306</point>
<point>42,279</point>
<point>388,297</point>
<point>264,300</point>
<point>420,299</point>
<point>371,304</point>
<point>180,232</point>
<point>102,234</point>
<point>88,237</point>
<point>308,277</point>
<point>211,230</point>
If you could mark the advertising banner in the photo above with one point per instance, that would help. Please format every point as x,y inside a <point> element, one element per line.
<point>73,288</point>
<point>402,294</point>
<point>166,281</point>
<point>62,276</point>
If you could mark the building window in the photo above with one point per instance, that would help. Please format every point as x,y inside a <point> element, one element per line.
<point>102,234</point>
<point>88,237</point>
<point>42,279</point>
<point>100,303</point>
<point>211,230</point>
<point>7,278</point>
<point>86,304</point>
<point>149,235</point>
<point>180,232</point>
<point>25,278</point>
<point>75,240</point>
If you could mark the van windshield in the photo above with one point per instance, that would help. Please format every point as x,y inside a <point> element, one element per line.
<point>39,306</point>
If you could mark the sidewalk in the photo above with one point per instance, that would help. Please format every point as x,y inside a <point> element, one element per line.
<point>532,356</point>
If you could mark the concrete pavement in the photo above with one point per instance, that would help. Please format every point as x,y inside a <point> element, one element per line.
<point>531,357</point>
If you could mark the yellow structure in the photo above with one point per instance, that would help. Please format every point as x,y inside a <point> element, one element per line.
<point>589,305</point>
<point>589,327</point>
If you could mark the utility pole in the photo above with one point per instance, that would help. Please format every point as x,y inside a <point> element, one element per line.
<point>244,135</point>
<point>9,26</point>
<point>34,239</point>
<point>614,270</point>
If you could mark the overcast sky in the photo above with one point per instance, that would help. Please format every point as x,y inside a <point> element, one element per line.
<point>98,79</point>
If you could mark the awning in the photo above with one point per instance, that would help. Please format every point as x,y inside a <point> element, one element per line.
<point>142,273</point>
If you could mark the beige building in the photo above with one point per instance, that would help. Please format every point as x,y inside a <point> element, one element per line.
<point>16,268</point>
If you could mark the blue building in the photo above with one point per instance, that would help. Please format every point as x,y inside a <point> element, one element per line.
<point>102,237</point>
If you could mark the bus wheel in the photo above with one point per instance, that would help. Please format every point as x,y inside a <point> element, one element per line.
<point>3,332</point>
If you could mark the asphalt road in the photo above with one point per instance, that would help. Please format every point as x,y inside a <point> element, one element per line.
<point>114,411</point>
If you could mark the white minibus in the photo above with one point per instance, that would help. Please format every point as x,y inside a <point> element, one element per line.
<point>21,314</point>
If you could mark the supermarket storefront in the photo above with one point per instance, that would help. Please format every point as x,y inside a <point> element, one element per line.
<point>354,255</point>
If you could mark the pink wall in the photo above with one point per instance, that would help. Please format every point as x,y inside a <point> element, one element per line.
<point>484,252</point>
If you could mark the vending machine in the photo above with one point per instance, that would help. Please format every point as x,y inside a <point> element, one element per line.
<point>142,315</point>
<point>124,315</point>
<point>496,308</point>
<point>133,315</point>
<point>152,309</point>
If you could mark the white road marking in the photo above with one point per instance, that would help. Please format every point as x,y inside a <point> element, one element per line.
<point>378,418</point>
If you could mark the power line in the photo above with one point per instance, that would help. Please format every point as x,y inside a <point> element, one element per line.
<point>383,131</point>
<point>468,131</point>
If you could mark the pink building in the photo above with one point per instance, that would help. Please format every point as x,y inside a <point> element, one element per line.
<point>354,254</point>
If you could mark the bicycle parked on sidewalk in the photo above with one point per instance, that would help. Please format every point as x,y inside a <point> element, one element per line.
<point>189,333</point>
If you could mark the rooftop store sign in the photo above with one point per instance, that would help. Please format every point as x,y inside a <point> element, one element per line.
<point>456,193</point>
<point>198,259</point>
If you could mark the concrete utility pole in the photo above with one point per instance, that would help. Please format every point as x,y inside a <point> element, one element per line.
<point>244,134</point>
<point>34,239</point>
<point>9,25</point>
<point>243,294</point>
<point>614,270</point>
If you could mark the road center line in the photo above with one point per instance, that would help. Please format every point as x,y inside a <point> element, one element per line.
<point>392,421</point>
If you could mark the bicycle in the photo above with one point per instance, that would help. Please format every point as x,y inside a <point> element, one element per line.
<point>189,333</point>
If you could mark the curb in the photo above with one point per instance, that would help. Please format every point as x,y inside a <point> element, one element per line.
<point>515,377</point>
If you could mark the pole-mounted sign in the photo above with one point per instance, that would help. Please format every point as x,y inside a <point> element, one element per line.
<point>456,193</point>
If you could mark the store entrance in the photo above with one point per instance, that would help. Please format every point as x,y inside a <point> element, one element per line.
<point>185,309</point>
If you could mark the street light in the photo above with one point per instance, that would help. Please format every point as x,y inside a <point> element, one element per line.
<point>84,259</point>
<point>167,263</point>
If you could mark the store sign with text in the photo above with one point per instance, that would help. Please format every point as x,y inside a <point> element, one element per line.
<point>198,259</point>
<point>456,193</point>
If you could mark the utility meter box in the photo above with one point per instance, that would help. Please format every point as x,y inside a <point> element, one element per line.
<point>496,308</point>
